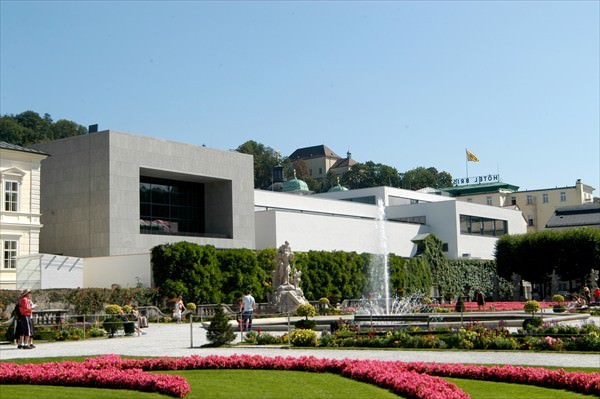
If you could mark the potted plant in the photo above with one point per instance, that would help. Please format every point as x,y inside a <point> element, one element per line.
<point>112,323</point>
<point>532,306</point>
<point>559,307</point>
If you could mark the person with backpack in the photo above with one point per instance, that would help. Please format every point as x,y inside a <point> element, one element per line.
<point>25,323</point>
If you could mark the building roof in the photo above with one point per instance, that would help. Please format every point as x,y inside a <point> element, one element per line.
<point>13,147</point>
<point>336,188</point>
<point>317,151</point>
<point>343,163</point>
<point>295,185</point>
<point>483,188</point>
<point>575,216</point>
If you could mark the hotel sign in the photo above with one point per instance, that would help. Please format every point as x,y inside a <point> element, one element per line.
<point>476,180</point>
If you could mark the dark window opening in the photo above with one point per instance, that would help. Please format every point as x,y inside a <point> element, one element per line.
<point>171,207</point>
<point>476,225</point>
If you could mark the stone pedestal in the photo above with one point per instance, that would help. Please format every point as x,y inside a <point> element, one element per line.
<point>287,298</point>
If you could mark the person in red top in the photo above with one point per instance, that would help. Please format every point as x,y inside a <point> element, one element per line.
<point>25,325</point>
<point>597,296</point>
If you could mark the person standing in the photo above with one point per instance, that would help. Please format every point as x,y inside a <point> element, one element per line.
<point>587,294</point>
<point>597,295</point>
<point>179,309</point>
<point>480,299</point>
<point>25,324</point>
<point>247,307</point>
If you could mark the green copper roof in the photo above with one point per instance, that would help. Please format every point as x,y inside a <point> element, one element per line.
<point>295,184</point>
<point>337,188</point>
<point>484,188</point>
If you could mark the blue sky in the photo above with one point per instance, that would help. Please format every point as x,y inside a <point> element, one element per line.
<point>402,83</point>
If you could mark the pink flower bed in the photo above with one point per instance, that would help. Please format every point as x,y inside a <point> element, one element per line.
<point>497,306</point>
<point>412,380</point>
<point>79,374</point>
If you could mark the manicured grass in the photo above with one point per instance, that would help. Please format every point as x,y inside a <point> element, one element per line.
<point>262,384</point>
<point>502,390</point>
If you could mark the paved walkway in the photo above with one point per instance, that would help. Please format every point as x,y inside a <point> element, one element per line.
<point>177,340</point>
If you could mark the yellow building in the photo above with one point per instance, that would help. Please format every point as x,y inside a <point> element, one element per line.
<point>20,209</point>
<point>320,159</point>
<point>537,206</point>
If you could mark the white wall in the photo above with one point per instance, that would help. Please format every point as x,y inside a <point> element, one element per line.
<point>46,271</point>
<point>125,270</point>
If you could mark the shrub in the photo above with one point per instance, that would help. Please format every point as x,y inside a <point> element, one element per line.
<point>266,339</point>
<point>62,335</point>
<point>558,298</point>
<point>127,309</point>
<point>303,337</point>
<point>532,324</point>
<point>251,337</point>
<point>96,332</point>
<point>305,324</point>
<point>113,309</point>
<point>219,331</point>
<point>191,306</point>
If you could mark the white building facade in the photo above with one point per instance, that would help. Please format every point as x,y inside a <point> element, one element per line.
<point>110,197</point>
<point>20,225</point>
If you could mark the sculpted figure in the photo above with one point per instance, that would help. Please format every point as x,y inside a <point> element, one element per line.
<point>284,257</point>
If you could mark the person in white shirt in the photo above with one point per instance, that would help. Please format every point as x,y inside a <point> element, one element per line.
<point>247,307</point>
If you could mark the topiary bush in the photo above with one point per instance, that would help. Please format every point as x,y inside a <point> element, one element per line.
<point>113,309</point>
<point>307,310</point>
<point>531,306</point>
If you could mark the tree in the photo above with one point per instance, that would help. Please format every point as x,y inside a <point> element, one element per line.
<point>418,178</point>
<point>370,174</point>
<point>219,331</point>
<point>29,128</point>
<point>264,160</point>
<point>570,253</point>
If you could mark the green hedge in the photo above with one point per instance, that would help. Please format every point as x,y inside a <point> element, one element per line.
<point>203,274</point>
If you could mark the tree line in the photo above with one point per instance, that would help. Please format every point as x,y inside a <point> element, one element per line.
<point>570,254</point>
<point>29,128</point>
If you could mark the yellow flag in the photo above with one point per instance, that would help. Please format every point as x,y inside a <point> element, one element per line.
<point>471,157</point>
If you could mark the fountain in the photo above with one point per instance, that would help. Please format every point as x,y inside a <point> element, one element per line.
<point>379,276</point>
<point>380,302</point>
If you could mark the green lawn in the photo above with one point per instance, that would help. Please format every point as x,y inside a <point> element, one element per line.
<point>261,384</point>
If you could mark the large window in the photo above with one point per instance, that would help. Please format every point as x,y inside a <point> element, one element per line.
<point>171,207</point>
<point>9,254</point>
<point>482,226</point>
<point>11,196</point>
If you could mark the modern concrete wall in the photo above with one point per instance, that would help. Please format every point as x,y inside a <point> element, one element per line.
<point>91,193</point>
<point>126,270</point>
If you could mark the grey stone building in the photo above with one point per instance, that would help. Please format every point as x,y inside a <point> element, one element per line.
<point>111,193</point>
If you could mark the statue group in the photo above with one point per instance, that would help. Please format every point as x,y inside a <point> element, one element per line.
<point>286,281</point>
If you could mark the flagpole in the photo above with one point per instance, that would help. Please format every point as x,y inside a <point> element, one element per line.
<point>467,163</point>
